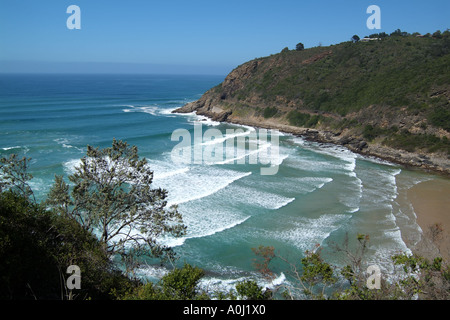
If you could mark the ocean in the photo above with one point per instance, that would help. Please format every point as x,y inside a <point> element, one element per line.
<point>319,195</point>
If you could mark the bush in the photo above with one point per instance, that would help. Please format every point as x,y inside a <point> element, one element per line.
<point>412,142</point>
<point>297,118</point>
<point>179,284</point>
<point>299,46</point>
<point>370,132</point>
<point>250,290</point>
<point>37,246</point>
<point>269,112</point>
<point>440,117</point>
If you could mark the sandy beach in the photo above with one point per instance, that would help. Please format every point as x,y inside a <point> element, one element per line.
<point>431,202</point>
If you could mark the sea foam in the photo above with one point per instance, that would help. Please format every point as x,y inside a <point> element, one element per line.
<point>306,233</point>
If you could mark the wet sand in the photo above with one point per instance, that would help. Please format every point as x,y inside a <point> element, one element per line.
<point>431,202</point>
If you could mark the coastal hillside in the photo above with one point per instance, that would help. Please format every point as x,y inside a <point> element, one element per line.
<point>387,97</point>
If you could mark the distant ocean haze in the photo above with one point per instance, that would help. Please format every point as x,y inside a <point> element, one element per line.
<point>318,194</point>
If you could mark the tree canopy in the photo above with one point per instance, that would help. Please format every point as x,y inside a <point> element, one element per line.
<point>299,46</point>
<point>112,196</point>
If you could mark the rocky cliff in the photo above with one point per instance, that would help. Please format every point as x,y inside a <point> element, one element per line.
<point>389,98</point>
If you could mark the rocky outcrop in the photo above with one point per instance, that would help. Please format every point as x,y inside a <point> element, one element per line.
<point>427,162</point>
<point>241,99</point>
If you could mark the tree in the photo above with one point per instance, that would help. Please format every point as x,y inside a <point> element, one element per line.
<point>317,274</point>
<point>397,32</point>
<point>299,46</point>
<point>400,33</point>
<point>112,197</point>
<point>437,34</point>
<point>250,290</point>
<point>178,284</point>
<point>37,246</point>
<point>14,176</point>
<point>423,278</point>
<point>267,254</point>
<point>355,38</point>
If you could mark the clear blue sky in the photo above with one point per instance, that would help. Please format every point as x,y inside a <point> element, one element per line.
<point>174,36</point>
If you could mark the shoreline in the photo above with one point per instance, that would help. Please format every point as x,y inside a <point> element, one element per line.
<point>429,204</point>
<point>429,163</point>
<point>408,160</point>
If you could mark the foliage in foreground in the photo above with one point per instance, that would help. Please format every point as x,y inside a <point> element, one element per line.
<point>112,195</point>
<point>109,211</point>
<point>38,243</point>
<point>414,277</point>
<point>37,246</point>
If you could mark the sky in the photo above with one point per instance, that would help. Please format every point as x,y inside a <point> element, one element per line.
<point>188,37</point>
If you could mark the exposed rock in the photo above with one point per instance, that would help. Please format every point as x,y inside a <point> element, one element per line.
<point>234,101</point>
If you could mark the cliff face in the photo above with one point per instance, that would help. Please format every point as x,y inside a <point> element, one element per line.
<point>389,98</point>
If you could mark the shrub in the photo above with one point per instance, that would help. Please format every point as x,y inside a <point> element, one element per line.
<point>297,118</point>
<point>269,112</point>
<point>37,246</point>
<point>440,117</point>
<point>370,132</point>
<point>179,284</point>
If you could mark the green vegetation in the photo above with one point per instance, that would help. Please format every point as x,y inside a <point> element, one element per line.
<point>440,117</point>
<point>414,277</point>
<point>38,243</point>
<point>270,112</point>
<point>110,193</point>
<point>400,74</point>
<point>300,46</point>
<point>355,38</point>
<point>300,119</point>
<point>370,132</point>
<point>37,246</point>
<point>110,196</point>
<point>180,284</point>
<point>357,75</point>
<point>412,142</point>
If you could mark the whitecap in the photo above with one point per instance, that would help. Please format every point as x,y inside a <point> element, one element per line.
<point>64,142</point>
<point>70,166</point>
<point>197,183</point>
<point>11,148</point>
<point>205,227</point>
<point>214,284</point>
<point>258,198</point>
<point>233,154</point>
<point>223,285</point>
<point>225,138</point>
<point>157,175</point>
<point>168,111</point>
<point>307,233</point>
<point>204,120</point>
<point>152,109</point>
<point>300,185</point>
<point>155,272</point>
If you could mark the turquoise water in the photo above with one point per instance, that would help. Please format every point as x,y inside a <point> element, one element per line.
<point>318,195</point>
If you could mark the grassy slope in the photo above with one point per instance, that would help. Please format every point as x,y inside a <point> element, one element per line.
<point>402,80</point>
